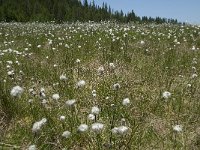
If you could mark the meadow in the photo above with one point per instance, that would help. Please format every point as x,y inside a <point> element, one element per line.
<point>99,86</point>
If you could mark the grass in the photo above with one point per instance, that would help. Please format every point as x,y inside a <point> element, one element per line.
<point>165,60</point>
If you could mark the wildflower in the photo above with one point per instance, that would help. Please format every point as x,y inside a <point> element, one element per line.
<point>178,128</point>
<point>70,102</point>
<point>100,70</point>
<point>166,95</point>
<point>116,86</point>
<point>111,66</point>
<point>91,116</point>
<point>10,73</point>
<point>142,42</point>
<point>97,127</point>
<point>32,147</point>
<point>83,128</point>
<point>78,60</point>
<point>126,102</point>
<point>95,110</point>
<point>94,94</point>
<point>16,91</point>
<point>81,83</point>
<point>37,125</point>
<point>194,75</point>
<point>56,97</point>
<point>121,130</point>
<point>62,118</point>
<point>63,77</point>
<point>66,134</point>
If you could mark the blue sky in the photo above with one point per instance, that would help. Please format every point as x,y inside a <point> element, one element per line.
<point>183,10</point>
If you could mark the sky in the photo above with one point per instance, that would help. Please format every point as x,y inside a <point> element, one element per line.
<point>183,10</point>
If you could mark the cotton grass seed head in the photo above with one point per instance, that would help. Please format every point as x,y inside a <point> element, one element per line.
<point>97,127</point>
<point>126,102</point>
<point>70,102</point>
<point>81,83</point>
<point>166,95</point>
<point>116,86</point>
<point>55,97</point>
<point>178,128</point>
<point>63,77</point>
<point>32,147</point>
<point>83,128</point>
<point>62,118</point>
<point>91,117</point>
<point>95,110</point>
<point>121,130</point>
<point>37,125</point>
<point>16,91</point>
<point>66,134</point>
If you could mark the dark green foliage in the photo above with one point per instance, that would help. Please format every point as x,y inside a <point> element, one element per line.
<point>66,10</point>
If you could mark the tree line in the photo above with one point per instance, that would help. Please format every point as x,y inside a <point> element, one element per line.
<point>67,10</point>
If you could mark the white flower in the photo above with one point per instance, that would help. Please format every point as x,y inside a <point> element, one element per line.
<point>91,116</point>
<point>178,128</point>
<point>166,95</point>
<point>94,93</point>
<point>142,42</point>
<point>32,147</point>
<point>16,91</point>
<point>55,96</point>
<point>66,134</point>
<point>83,128</point>
<point>95,110</point>
<point>100,70</point>
<point>81,83</point>
<point>121,130</point>
<point>70,102</point>
<point>111,66</point>
<point>62,118</point>
<point>194,76</point>
<point>63,77</point>
<point>97,127</point>
<point>37,125</point>
<point>126,102</point>
<point>78,61</point>
<point>116,86</point>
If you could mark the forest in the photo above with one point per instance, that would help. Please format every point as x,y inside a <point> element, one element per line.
<point>68,11</point>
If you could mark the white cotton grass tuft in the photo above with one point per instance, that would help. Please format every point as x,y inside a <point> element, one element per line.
<point>80,83</point>
<point>112,66</point>
<point>95,110</point>
<point>91,117</point>
<point>94,93</point>
<point>71,102</point>
<point>38,125</point>
<point>178,128</point>
<point>166,95</point>
<point>62,118</point>
<point>16,91</point>
<point>83,128</point>
<point>116,86</point>
<point>126,102</point>
<point>97,127</point>
<point>63,77</point>
<point>100,70</point>
<point>32,147</point>
<point>121,130</point>
<point>66,134</point>
<point>55,97</point>
<point>78,60</point>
